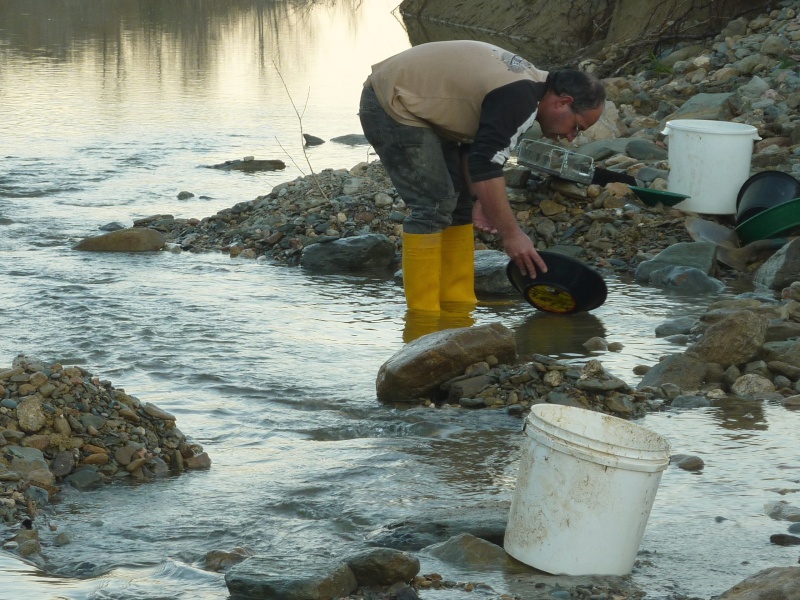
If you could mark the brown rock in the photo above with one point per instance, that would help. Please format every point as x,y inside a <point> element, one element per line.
<point>423,365</point>
<point>734,340</point>
<point>99,458</point>
<point>198,461</point>
<point>135,239</point>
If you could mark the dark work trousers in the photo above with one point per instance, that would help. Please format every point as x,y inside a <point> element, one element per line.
<point>424,168</point>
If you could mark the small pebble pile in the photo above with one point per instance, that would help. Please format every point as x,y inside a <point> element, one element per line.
<point>63,426</point>
<point>543,379</point>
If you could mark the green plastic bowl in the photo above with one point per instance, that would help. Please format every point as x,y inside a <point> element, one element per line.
<point>770,223</point>
<point>653,197</point>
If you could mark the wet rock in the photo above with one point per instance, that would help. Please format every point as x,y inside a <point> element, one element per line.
<point>351,139</point>
<point>251,164</point>
<point>485,521</point>
<point>220,560</point>
<point>733,340</point>
<point>687,462</point>
<point>679,326</point>
<point>137,239</point>
<point>469,552</point>
<point>421,366</point>
<point>690,402</point>
<point>686,280</point>
<point>776,582</point>
<point>357,253</point>
<point>264,577</point>
<point>383,566</point>
<point>699,255</point>
<point>684,371</point>
<point>784,539</point>
<point>781,510</point>
<point>312,140</point>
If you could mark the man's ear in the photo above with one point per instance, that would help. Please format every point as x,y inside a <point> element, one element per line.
<point>565,100</point>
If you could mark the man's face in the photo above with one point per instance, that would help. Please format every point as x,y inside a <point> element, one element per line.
<point>557,119</point>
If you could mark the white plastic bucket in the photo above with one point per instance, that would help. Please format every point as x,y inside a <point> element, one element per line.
<point>584,491</point>
<point>709,161</point>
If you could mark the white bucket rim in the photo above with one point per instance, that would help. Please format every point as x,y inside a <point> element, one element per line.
<point>648,457</point>
<point>711,126</point>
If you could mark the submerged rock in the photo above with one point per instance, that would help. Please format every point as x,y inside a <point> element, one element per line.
<point>135,239</point>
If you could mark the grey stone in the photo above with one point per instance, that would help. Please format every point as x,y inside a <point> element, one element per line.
<point>486,521</point>
<point>364,252</point>
<point>700,255</point>
<point>712,107</point>
<point>781,269</point>
<point>686,280</point>
<point>644,149</point>
<point>684,371</point>
<point>351,139</point>
<point>681,325</point>
<point>490,273</point>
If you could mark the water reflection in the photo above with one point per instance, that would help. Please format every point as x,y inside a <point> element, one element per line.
<point>124,31</point>
<point>557,335</point>
<point>740,414</point>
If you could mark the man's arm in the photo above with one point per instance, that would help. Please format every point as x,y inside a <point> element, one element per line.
<point>492,195</point>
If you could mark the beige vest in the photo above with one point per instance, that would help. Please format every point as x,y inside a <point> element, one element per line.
<point>442,84</point>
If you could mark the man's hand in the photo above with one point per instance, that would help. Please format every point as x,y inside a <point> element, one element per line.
<point>521,250</point>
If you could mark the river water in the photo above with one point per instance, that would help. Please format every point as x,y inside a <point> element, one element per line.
<point>109,110</point>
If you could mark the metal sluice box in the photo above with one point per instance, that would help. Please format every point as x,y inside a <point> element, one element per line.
<point>555,160</point>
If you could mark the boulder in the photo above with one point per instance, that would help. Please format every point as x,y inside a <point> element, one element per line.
<point>685,372</point>
<point>383,566</point>
<point>734,340</point>
<point>264,577</point>
<point>698,255</point>
<point>363,252</point>
<point>776,582</point>
<point>472,553</point>
<point>490,273</point>
<point>423,365</point>
<point>133,239</point>
<point>781,269</point>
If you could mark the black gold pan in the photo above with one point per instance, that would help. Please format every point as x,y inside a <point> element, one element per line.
<point>569,286</point>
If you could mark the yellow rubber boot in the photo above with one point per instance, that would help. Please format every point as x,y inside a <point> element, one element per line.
<point>458,266</point>
<point>422,266</point>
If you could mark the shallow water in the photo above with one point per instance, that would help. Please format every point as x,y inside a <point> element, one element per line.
<point>270,368</point>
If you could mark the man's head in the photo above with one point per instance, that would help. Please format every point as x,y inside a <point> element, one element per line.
<point>573,101</point>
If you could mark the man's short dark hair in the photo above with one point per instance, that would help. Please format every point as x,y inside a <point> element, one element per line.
<point>587,91</point>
